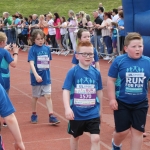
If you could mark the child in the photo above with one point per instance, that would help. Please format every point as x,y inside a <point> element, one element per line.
<point>6,60</point>
<point>84,35</point>
<point>114,36</point>
<point>7,112</point>
<point>39,58</point>
<point>84,86</point>
<point>127,86</point>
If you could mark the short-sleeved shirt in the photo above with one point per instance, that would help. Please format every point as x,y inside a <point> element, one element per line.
<point>132,76</point>
<point>5,60</point>
<point>41,56</point>
<point>6,107</point>
<point>83,85</point>
<point>121,23</point>
<point>95,59</point>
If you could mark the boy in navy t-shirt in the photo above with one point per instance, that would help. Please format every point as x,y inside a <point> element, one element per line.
<point>127,86</point>
<point>82,93</point>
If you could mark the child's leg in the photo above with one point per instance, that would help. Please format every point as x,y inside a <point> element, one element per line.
<point>95,138</point>
<point>49,103</point>
<point>136,139</point>
<point>74,143</point>
<point>118,137</point>
<point>34,102</point>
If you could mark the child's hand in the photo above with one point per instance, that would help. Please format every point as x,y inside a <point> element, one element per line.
<point>39,79</point>
<point>15,48</point>
<point>113,104</point>
<point>8,47</point>
<point>69,114</point>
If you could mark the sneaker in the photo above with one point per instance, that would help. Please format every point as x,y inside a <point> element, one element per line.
<point>1,144</point>
<point>4,124</point>
<point>107,58</point>
<point>53,120</point>
<point>114,147</point>
<point>34,118</point>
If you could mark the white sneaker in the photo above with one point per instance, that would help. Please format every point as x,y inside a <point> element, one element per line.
<point>107,58</point>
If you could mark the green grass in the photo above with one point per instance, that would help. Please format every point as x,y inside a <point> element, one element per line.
<point>27,7</point>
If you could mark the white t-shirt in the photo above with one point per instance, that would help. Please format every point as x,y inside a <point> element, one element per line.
<point>115,18</point>
<point>63,31</point>
<point>51,30</point>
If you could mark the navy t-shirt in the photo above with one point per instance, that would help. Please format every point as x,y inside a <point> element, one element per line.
<point>83,85</point>
<point>6,107</point>
<point>132,76</point>
<point>41,56</point>
<point>5,60</point>
<point>95,59</point>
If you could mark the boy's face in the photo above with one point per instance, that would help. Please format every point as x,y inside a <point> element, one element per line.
<point>85,36</point>
<point>39,40</point>
<point>134,49</point>
<point>85,56</point>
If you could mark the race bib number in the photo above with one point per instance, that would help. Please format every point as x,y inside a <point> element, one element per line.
<point>85,95</point>
<point>43,62</point>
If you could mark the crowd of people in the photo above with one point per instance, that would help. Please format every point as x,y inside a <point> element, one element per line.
<point>57,29</point>
<point>127,81</point>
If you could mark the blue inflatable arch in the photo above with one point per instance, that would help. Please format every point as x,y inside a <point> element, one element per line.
<point>137,19</point>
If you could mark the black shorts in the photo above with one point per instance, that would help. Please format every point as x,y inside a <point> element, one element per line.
<point>77,127</point>
<point>131,115</point>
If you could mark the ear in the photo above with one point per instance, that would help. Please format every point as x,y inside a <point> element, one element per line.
<point>77,56</point>
<point>125,49</point>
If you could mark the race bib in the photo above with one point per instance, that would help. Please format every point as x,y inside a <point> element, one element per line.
<point>85,95</point>
<point>43,62</point>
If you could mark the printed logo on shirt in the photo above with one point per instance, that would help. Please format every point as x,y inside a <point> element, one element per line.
<point>134,80</point>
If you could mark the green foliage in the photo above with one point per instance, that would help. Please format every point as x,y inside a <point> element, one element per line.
<point>27,7</point>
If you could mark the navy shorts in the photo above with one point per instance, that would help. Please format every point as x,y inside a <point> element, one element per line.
<point>77,127</point>
<point>131,115</point>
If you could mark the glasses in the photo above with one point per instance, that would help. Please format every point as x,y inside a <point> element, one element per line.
<point>91,55</point>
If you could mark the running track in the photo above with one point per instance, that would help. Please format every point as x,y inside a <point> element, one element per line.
<point>42,136</point>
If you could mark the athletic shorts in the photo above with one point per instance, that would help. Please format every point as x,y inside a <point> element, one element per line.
<point>77,127</point>
<point>131,115</point>
<point>41,90</point>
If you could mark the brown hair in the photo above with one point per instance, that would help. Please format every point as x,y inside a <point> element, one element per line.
<point>82,44</point>
<point>3,37</point>
<point>35,33</point>
<point>132,36</point>
<point>121,13</point>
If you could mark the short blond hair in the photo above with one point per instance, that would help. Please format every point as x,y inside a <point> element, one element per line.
<point>82,44</point>
<point>3,36</point>
<point>132,36</point>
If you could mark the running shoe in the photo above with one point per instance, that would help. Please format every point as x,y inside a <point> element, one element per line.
<point>34,118</point>
<point>53,120</point>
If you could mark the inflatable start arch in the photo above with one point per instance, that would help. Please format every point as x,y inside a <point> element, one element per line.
<point>137,19</point>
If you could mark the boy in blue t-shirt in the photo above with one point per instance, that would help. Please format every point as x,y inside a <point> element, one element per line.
<point>7,112</point>
<point>127,86</point>
<point>39,57</point>
<point>82,93</point>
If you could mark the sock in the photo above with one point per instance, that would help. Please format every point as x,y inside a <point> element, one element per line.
<point>50,114</point>
<point>34,113</point>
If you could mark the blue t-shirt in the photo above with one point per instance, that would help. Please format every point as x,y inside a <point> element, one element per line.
<point>5,60</point>
<point>41,55</point>
<point>83,85</point>
<point>6,107</point>
<point>121,23</point>
<point>95,59</point>
<point>132,76</point>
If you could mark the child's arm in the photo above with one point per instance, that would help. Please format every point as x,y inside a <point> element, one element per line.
<point>97,66</point>
<point>111,93</point>
<point>15,55</point>
<point>68,111</point>
<point>14,128</point>
<point>37,77</point>
<point>100,96</point>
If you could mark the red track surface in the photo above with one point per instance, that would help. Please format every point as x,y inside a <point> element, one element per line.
<point>42,136</point>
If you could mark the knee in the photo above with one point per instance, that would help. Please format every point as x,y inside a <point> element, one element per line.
<point>48,97</point>
<point>95,138</point>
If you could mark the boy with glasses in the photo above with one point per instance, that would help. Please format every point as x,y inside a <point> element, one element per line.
<point>82,93</point>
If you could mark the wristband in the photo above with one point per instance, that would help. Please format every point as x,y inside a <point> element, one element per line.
<point>15,54</point>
